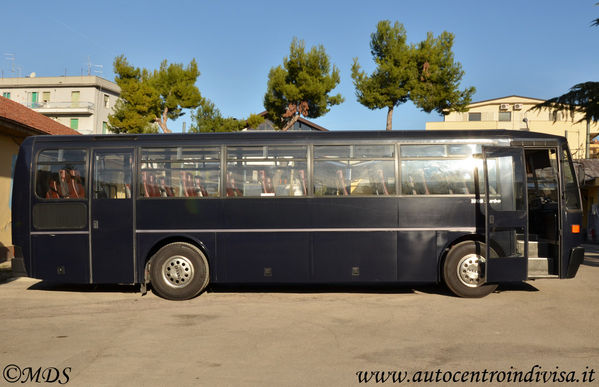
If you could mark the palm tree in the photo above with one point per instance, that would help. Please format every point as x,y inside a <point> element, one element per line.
<point>583,98</point>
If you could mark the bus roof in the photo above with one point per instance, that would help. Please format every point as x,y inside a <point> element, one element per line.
<point>252,137</point>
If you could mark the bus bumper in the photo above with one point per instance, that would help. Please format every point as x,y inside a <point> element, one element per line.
<point>576,258</point>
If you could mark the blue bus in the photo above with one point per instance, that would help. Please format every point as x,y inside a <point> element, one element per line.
<point>471,209</point>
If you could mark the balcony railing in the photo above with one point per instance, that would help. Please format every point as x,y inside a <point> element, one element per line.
<point>62,107</point>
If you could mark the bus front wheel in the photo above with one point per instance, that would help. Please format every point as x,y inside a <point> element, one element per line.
<point>463,270</point>
<point>179,271</point>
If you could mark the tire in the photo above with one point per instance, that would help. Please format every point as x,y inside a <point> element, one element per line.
<point>463,270</point>
<point>179,271</point>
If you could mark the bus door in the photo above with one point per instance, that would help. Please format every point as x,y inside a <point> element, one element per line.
<point>112,227</point>
<point>506,230</point>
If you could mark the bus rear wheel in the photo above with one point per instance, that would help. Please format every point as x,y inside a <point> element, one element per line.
<point>463,270</point>
<point>179,271</point>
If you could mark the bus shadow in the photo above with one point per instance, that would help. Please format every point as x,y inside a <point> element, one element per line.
<point>84,288</point>
<point>516,287</point>
<point>329,288</point>
<point>279,288</point>
<point>440,289</point>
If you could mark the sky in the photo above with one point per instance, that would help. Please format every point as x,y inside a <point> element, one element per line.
<point>531,48</point>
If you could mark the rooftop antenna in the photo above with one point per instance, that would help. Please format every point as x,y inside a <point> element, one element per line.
<point>13,68</point>
<point>96,69</point>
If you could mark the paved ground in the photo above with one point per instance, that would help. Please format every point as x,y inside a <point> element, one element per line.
<point>297,336</point>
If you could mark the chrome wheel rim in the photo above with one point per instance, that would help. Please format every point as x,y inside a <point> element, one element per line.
<point>470,270</point>
<point>177,271</point>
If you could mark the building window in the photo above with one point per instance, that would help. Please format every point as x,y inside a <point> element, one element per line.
<point>6,94</point>
<point>75,123</point>
<point>106,101</point>
<point>505,116</point>
<point>474,116</point>
<point>104,127</point>
<point>46,97</point>
<point>34,100</point>
<point>75,95</point>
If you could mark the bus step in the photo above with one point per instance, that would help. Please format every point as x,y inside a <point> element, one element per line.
<point>533,248</point>
<point>538,267</point>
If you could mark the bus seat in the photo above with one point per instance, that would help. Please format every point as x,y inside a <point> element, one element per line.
<point>75,187</point>
<point>341,188</point>
<point>381,178</point>
<point>232,189</point>
<point>199,188</point>
<point>52,192</point>
<point>410,186</point>
<point>302,174</point>
<point>150,188</point>
<point>266,182</point>
<point>188,189</point>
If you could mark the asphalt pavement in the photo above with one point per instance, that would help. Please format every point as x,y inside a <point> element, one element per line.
<point>302,336</point>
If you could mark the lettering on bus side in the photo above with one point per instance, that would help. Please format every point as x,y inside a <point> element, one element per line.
<point>482,201</point>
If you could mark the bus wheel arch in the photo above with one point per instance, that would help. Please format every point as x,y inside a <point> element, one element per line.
<point>178,269</point>
<point>462,269</point>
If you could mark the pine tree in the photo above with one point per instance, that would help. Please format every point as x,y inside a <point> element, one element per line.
<point>425,73</point>
<point>208,118</point>
<point>134,111</point>
<point>151,98</point>
<point>177,90</point>
<point>301,86</point>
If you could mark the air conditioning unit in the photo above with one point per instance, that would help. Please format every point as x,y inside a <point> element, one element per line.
<point>517,106</point>
<point>504,106</point>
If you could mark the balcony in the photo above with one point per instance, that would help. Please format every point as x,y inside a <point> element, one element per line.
<point>63,108</point>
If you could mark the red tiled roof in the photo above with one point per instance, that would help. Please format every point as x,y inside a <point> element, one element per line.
<point>36,122</point>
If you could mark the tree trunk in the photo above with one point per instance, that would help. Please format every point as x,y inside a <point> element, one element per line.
<point>390,118</point>
<point>162,121</point>
<point>292,121</point>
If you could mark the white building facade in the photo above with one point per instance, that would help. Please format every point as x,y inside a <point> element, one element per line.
<point>82,103</point>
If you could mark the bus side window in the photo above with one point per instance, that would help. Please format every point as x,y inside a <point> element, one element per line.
<point>112,176</point>
<point>570,182</point>
<point>355,170</point>
<point>60,174</point>
<point>180,172</point>
<point>266,171</point>
<point>438,177</point>
<point>414,179</point>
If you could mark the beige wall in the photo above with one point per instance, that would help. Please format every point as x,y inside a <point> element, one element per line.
<point>8,149</point>
<point>538,121</point>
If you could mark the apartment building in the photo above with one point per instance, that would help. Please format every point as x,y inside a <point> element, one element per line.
<point>514,112</point>
<point>82,103</point>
